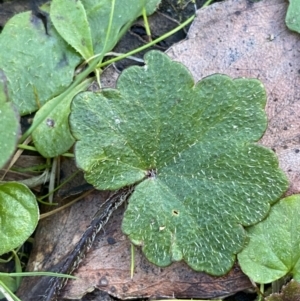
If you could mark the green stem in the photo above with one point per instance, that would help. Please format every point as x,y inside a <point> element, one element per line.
<point>18,267</point>
<point>47,203</point>
<point>69,155</point>
<point>261,292</point>
<point>33,274</point>
<point>111,16</point>
<point>163,37</point>
<point>52,177</point>
<point>27,147</point>
<point>59,186</point>
<point>147,27</point>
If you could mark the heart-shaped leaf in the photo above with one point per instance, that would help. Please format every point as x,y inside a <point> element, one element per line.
<point>70,20</point>
<point>19,215</point>
<point>191,147</point>
<point>9,123</point>
<point>38,65</point>
<point>274,247</point>
<point>292,18</point>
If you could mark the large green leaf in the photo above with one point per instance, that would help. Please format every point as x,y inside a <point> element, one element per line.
<point>38,65</point>
<point>292,18</point>
<point>19,215</point>
<point>70,20</point>
<point>191,147</point>
<point>274,247</point>
<point>9,123</point>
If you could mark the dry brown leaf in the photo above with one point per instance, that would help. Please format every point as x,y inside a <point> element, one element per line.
<point>56,237</point>
<point>107,267</point>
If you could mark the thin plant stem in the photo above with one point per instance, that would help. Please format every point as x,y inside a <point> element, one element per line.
<point>27,147</point>
<point>261,290</point>
<point>136,59</point>
<point>47,203</point>
<point>52,178</point>
<point>132,260</point>
<point>130,53</point>
<point>18,267</point>
<point>44,215</point>
<point>33,274</point>
<point>59,186</point>
<point>146,23</point>
<point>69,155</point>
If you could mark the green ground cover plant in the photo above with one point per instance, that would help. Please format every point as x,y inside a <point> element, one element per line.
<point>264,259</point>
<point>188,148</point>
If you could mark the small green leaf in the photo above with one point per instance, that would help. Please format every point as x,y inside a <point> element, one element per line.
<point>191,147</point>
<point>38,66</point>
<point>292,18</point>
<point>52,136</point>
<point>274,247</point>
<point>70,20</point>
<point>19,215</point>
<point>99,12</point>
<point>9,124</point>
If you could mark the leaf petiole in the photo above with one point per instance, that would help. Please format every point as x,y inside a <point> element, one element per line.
<point>31,274</point>
<point>163,37</point>
<point>146,23</point>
